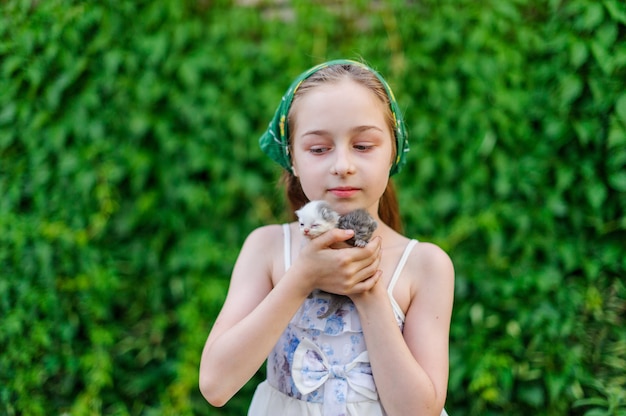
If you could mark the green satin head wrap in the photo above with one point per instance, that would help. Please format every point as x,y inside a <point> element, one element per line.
<point>275,141</point>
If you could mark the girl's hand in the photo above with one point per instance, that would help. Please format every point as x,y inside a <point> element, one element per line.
<point>344,271</point>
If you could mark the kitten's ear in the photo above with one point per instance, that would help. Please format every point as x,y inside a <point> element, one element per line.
<point>328,214</point>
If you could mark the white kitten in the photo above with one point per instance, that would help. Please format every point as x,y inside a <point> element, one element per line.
<point>316,218</point>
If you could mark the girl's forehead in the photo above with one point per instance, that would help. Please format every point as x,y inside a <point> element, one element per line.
<point>342,96</point>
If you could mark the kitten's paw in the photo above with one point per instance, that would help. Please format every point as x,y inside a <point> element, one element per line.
<point>360,243</point>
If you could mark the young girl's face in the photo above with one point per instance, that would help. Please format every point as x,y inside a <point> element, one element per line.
<point>342,146</point>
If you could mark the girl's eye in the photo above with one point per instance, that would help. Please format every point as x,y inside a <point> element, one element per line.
<point>318,150</point>
<point>363,147</point>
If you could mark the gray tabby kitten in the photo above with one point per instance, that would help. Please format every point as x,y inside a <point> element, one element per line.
<point>363,225</point>
<point>317,217</point>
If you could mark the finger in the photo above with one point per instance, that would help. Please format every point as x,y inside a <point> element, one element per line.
<point>370,255</point>
<point>368,283</point>
<point>372,249</point>
<point>368,271</point>
<point>362,256</point>
<point>333,236</point>
<point>375,244</point>
<point>362,269</point>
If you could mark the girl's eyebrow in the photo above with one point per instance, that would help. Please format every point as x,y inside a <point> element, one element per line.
<point>315,133</point>
<point>357,129</point>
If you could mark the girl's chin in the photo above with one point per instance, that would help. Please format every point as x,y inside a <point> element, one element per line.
<point>343,206</point>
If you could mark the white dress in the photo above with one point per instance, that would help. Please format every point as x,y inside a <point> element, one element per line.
<point>320,366</point>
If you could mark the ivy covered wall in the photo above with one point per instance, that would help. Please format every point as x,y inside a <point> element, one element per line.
<point>130,175</point>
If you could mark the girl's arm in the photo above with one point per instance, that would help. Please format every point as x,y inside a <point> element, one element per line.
<point>411,368</point>
<point>252,315</point>
<point>256,311</point>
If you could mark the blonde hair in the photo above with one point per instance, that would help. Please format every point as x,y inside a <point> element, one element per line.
<point>388,205</point>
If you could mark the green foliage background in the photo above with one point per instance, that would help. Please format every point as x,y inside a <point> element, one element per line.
<point>130,175</point>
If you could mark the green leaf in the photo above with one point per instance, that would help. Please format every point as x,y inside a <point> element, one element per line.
<point>617,180</point>
<point>578,53</point>
<point>617,10</point>
<point>602,56</point>
<point>571,87</point>
<point>620,108</point>
<point>596,195</point>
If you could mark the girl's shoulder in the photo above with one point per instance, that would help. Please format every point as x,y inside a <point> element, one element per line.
<point>429,254</point>
<point>422,256</point>
<point>264,245</point>
<point>265,239</point>
<point>275,247</point>
<point>266,232</point>
<point>430,266</point>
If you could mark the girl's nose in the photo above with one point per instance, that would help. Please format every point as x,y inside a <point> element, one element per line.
<point>343,164</point>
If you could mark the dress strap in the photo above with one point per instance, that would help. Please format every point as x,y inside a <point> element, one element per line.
<point>287,246</point>
<point>396,276</point>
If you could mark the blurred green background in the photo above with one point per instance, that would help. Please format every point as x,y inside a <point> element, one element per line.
<point>130,175</point>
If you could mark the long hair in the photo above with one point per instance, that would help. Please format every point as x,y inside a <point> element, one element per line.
<point>388,205</point>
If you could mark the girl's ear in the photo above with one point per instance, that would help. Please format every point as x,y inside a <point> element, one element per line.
<point>293,170</point>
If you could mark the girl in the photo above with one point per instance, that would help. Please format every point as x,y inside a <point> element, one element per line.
<point>339,135</point>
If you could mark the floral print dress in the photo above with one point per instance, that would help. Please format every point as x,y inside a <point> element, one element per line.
<point>320,366</point>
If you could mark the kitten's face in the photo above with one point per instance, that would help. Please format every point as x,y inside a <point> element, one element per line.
<point>312,227</point>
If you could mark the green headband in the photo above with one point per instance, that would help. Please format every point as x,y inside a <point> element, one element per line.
<point>275,141</point>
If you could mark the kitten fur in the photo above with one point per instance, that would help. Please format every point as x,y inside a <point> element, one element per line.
<point>363,225</point>
<point>317,217</point>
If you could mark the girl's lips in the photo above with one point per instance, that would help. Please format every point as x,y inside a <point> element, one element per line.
<point>343,192</point>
